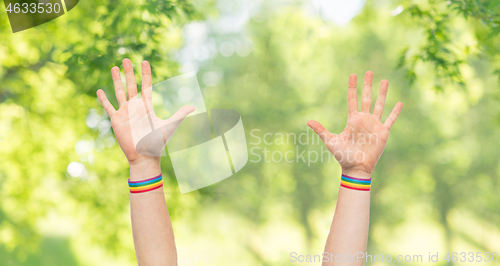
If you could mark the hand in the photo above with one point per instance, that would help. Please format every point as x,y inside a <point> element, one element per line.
<point>359,147</point>
<point>139,132</point>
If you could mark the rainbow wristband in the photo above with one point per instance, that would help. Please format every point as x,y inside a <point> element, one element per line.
<point>355,183</point>
<point>145,185</point>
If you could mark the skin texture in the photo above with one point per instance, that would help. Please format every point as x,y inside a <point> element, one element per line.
<point>152,230</point>
<point>357,149</point>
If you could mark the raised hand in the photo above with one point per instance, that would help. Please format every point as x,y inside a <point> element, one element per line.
<point>359,147</point>
<point>139,132</point>
<point>142,136</point>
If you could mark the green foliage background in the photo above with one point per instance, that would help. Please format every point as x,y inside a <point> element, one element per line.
<point>435,187</point>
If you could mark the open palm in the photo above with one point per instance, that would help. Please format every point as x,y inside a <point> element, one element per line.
<point>359,147</point>
<point>139,132</point>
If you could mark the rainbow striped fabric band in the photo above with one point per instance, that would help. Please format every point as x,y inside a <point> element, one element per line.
<point>355,183</point>
<point>145,185</point>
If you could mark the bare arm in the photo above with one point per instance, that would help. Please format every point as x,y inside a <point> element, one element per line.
<point>151,227</point>
<point>133,121</point>
<point>357,149</point>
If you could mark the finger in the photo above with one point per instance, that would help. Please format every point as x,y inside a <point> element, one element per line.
<point>117,81</point>
<point>147,85</point>
<point>147,89</point>
<point>394,115</point>
<point>352,94</point>
<point>129,76</point>
<point>382,94</point>
<point>322,132</point>
<point>171,124</point>
<point>147,97</point>
<point>105,103</point>
<point>182,113</point>
<point>366,97</point>
<point>147,82</point>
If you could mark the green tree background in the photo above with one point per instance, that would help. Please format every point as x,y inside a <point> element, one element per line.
<point>279,64</point>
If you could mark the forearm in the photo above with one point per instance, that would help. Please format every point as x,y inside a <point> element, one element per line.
<point>349,231</point>
<point>151,226</point>
<point>363,135</point>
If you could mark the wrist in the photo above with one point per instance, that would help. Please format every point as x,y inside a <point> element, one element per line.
<point>144,162</point>
<point>144,168</point>
<point>356,173</point>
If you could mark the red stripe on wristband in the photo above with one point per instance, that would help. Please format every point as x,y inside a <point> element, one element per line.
<point>146,185</point>
<point>146,190</point>
<point>353,188</point>
<point>355,183</point>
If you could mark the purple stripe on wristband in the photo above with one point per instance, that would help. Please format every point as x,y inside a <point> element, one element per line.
<point>360,179</point>
<point>133,182</point>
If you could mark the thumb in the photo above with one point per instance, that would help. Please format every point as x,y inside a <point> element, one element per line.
<point>170,125</point>
<point>322,132</point>
<point>181,114</point>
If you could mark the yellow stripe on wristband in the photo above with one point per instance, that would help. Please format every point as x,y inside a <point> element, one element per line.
<point>146,185</point>
<point>157,184</point>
